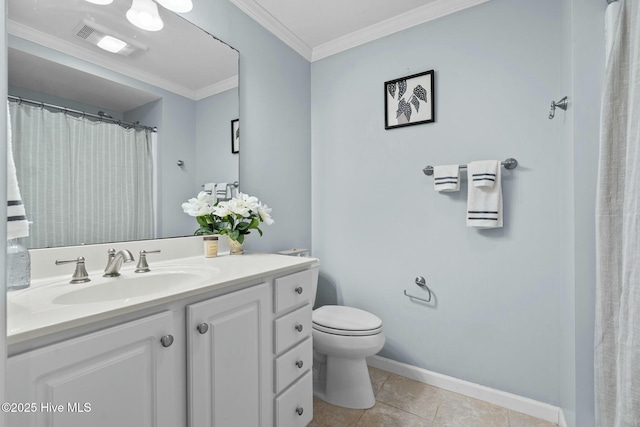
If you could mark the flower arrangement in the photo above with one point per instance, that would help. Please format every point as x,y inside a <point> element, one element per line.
<point>235,217</point>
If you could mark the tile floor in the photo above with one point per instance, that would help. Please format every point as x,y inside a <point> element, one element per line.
<point>401,402</point>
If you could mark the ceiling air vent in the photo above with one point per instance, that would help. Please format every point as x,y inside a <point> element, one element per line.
<point>94,33</point>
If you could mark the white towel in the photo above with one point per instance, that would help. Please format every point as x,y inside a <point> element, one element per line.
<point>222,191</point>
<point>484,204</point>
<point>483,172</point>
<point>17,224</point>
<point>446,178</point>
<point>210,188</point>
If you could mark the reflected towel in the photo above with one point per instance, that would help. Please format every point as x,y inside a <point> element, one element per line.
<point>17,224</point>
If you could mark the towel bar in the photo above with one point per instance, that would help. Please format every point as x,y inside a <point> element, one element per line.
<point>423,284</point>
<point>509,163</point>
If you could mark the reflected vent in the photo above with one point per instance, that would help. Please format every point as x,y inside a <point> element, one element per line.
<point>85,32</point>
<point>94,34</point>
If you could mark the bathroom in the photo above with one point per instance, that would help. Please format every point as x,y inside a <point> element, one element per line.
<point>513,308</point>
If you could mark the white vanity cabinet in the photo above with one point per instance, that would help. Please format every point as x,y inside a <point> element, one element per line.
<point>229,359</point>
<point>293,349</point>
<point>236,353</point>
<point>121,376</point>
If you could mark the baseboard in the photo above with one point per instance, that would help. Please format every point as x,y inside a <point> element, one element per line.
<point>511,401</point>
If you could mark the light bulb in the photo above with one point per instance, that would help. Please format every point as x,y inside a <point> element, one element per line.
<point>111,44</point>
<point>144,14</point>
<point>100,2</point>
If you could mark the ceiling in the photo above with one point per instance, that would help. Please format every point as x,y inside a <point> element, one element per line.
<point>317,29</point>
<point>180,58</point>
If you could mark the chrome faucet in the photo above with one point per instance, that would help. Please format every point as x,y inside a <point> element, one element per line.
<point>115,262</point>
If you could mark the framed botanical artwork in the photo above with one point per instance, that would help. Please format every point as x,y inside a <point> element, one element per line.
<point>235,136</point>
<point>409,101</point>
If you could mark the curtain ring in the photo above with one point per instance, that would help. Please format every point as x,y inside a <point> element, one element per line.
<point>84,114</point>
<point>65,111</point>
<point>41,105</point>
<point>19,100</point>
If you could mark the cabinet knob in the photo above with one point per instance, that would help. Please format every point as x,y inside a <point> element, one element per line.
<point>299,410</point>
<point>299,363</point>
<point>299,328</point>
<point>299,290</point>
<point>166,340</point>
<point>203,328</point>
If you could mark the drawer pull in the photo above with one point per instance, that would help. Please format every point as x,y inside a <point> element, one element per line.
<point>203,328</point>
<point>299,363</point>
<point>299,328</point>
<point>166,340</point>
<point>299,410</point>
<point>299,290</point>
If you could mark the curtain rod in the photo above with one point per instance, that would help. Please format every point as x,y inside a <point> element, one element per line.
<point>611,1</point>
<point>82,113</point>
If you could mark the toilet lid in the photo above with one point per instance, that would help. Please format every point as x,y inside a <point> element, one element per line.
<point>341,320</point>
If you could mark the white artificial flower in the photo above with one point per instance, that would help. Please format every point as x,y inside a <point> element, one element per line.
<point>222,209</point>
<point>265,214</point>
<point>238,207</point>
<point>199,206</point>
<point>250,202</point>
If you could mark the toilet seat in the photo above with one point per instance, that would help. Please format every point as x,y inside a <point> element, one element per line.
<point>346,321</point>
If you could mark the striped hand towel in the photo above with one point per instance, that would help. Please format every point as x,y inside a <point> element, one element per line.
<point>483,173</point>
<point>222,191</point>
<point>446,178</point>
<point>484,203</point>
<point>17,224</point>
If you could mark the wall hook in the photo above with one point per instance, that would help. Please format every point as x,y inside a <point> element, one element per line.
<point>180,163</point>
<point>562,104</point>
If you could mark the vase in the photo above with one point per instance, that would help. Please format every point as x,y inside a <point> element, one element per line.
<point>235,247</point>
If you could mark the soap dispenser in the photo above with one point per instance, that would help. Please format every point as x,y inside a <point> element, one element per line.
<point>18,266</point>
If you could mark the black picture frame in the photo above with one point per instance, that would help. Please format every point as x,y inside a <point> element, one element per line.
<point>235,136</point>
<point>405,99</point>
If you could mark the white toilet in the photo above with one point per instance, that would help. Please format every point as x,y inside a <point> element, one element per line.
<point>342,338</point>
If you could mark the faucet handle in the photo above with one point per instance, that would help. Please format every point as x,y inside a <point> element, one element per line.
<point>80,275</point>
<point>143,266</point>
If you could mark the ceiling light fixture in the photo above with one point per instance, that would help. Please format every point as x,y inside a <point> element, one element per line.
<point>178,6</point>
<point>111,44</point>
<point>100,2</point>
<point>144,14</point>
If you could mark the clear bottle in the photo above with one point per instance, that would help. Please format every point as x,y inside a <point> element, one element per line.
<point>18,266</point>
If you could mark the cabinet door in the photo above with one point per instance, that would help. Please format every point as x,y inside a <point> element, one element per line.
<point>229,360</point>
<point>121,376</point>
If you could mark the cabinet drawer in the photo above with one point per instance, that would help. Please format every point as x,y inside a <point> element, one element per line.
<point>292,290</point>
<point>294,407</point>
<point>293,363</point>
<point>292,328</point>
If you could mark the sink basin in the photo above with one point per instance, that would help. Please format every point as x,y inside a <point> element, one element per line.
<point>134,285</point>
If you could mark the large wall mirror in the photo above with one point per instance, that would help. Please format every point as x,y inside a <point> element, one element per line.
<point>114,126</point>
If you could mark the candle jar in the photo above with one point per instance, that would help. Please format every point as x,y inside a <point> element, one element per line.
<point>210,246</point>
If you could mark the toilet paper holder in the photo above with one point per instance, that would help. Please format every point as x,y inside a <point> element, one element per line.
<point>421,282</point>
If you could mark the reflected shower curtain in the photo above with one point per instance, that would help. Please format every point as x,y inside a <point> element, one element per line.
<point>617,332</point>
<point>82,181</point>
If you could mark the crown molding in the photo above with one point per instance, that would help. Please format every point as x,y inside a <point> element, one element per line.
<point>216,88</point>
<point>409,19</point>
<point>41,38</point>
<point>277,28</point>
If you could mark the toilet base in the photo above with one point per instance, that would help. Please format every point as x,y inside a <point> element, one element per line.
<point>347,383</point>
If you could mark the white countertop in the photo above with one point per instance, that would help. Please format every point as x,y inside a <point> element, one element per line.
<point>45,307</point>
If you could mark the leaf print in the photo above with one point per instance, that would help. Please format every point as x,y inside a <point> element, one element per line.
<point>404,108</point>
<point>415,103</point>
<point>420,92</point>
<point>402,88</point>
<point>391,87</point>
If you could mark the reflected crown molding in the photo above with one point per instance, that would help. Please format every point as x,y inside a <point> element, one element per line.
<point>384,28</point>
<point>28,33</point>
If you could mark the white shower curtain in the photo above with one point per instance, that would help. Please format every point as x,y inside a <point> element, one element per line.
<point>617,332</point>
<point>82,181</point>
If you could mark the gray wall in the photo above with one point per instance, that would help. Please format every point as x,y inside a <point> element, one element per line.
<point>3,195</point>
<point>215,162</point>
<point>378,223</point>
